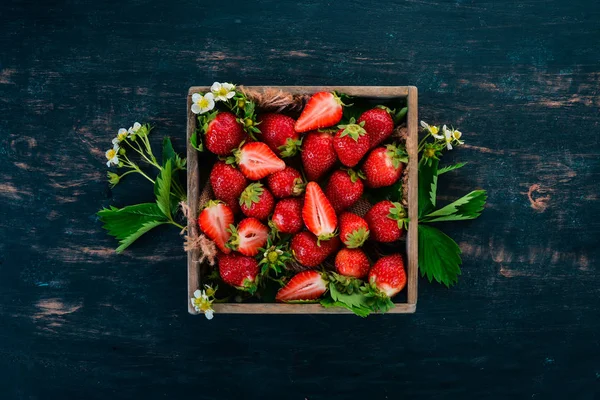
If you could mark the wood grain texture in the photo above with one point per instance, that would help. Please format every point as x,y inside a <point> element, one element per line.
<point>520,79</point>
<point>412,251</point>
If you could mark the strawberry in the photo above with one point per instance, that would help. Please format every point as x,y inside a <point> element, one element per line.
<point>351,143</point>
<point>317,213</point>
<point>354,230</point>
<point>227,183</point>
<point>352,262</point>
<point>344,189</point>
<point>239,271</point>
<point>306,285</point>
<point>308,252</point>
<point>388,275</point>
<point>286,183</point>
<point>256,201</point>
<point>257,161</point>
<point>386,221</point>
<point>322,110</point>
<point>287,217</point>
<point>223,134</point>
<point>318,154</point>
<point>214,221</point>
<point>384,165</point>
<point>378,123</point>
<point>277,131</point>
<point>249,236</point>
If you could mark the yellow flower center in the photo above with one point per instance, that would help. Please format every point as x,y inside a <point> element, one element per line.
<point>122,136</point>
<point>434,130</point>
<point>272,256</point>
<point>111,154</point>
<point>429,152</point>
<point>223,91</point>
<point>457,134</point>
<point>203,103</point>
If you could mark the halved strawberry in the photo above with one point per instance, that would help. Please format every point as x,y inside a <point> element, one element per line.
<point>317,213</point>
<point>249,236</point>
<point>307,285</point>
<point>214,221</point>
<point>256,160</point>
<point>323,109</point>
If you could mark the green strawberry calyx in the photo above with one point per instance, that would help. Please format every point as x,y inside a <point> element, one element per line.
<point>356,238</point>
<point>355,175</point>
<point>290,148</point>
<point>397,154</point>
<point>398,213</point>
<point>352,129</point>
<point>251,195</point>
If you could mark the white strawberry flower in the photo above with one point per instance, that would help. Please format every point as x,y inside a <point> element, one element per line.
<point>202,303</point>
<point>112,156</point>
<point>202,104</point>
<point>121,135</point>
<point>432,129</point>
<point>447,137</point>
<point>133,129</point>
<point>456,135</point>
<point>223,91</point>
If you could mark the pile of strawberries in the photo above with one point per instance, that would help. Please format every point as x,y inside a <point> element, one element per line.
<point>295,209</point>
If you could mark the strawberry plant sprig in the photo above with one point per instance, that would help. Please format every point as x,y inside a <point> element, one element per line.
<point>439,255</point>
<point>127,224</point>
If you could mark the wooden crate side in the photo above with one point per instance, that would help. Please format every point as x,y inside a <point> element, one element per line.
<point>193,186</point>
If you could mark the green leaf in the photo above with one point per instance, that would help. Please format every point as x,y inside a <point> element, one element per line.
<point>168,153</point>
<point>129,223</point>
<point>399,116</point>
<point>439,256</point>
<point>355,302</point>
<point>451,168</point>
<point>162,189</point>
<point>469,206</point>
<point>196,142</point>
<point>427,185</point>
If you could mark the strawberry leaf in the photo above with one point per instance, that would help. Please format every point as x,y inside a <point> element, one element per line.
<point>355,302</point>
<point>428,172</point>
<point>129,223</point>
<point>196,141</point>
<point>469,206</point>
<point>162,189</point>
<point>439,256</point>
<point>168,153</point>
<point>451,168</point>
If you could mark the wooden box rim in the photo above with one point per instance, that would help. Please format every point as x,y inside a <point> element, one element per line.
<point>193,191</point>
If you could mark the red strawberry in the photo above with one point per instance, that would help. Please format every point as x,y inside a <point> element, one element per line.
<point>306,285</point>
<point>257,161</point>
<point>322,110</point>
<point>214,221</point>
<point>286,183</point>
<point>308,252</point>
<point>227,183</point>
<point>248,237</point>
<point>318,154</point>
<point>317,213</point>
<point>378,123</point>
<point>287,217</point>
<point>344,189</point>
<point>277,131</point>
<point>351,143</point>
<point>388,275</point>
<point>256,201</point>
<point>386,221</point>
<point>354,230</point>
<point>384,165</point>
<point>224,134</point>
<point>352,262</point>
<point>239,271</point>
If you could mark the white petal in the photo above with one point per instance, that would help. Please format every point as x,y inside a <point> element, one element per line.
<point>230,95</point>
<point>115,160</point>
<point>449,146</point>
<point>196,109</point>
<point>116,147</point>
<point>115,141</point>
<point>209,96</point>
<point>197,294</point>
<point>136,126</point>
<point>108,163</point>
<point>196,97</point>
<point>211,104</point>
<point>209,314</point>
<point>215,87</point>
<point>122,130</point>
<point>437,136</point>
<point>424,124</point>
<point>228,86</point>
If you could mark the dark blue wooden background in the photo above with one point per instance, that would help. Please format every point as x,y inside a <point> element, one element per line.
<point>521,79</point>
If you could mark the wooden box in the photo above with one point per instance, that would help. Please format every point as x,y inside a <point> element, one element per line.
<point>197,175</point>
